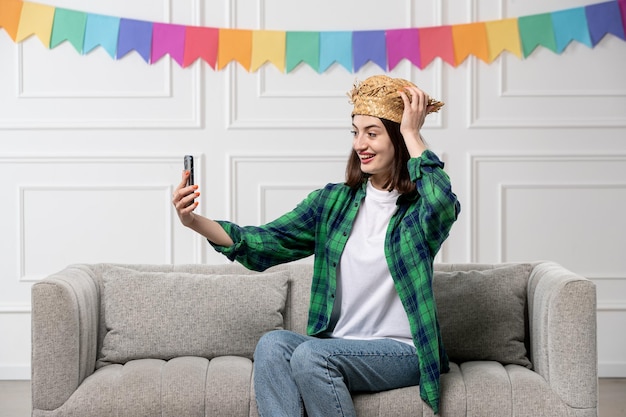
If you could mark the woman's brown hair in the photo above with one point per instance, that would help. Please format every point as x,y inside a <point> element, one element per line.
<point>399,178</point>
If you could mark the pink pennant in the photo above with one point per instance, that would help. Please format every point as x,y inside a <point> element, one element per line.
<point>168,39</point>
<point>201,42</point>
<point>403,43</point>
<point>436,42</point>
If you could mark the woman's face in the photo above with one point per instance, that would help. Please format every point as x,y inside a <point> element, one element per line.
<point>372,144</point>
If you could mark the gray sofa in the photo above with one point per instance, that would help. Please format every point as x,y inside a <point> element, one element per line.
<point>146,340</point>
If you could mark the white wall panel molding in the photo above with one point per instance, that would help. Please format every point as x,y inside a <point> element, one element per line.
<point>10,308</point>
<point>72,208</point>
<point>544,89</point>
<point>252,177</point>
<point>304,100</point>
<point>490,175</point>
<point>46,89</point>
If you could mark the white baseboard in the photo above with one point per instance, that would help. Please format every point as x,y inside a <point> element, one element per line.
<point>14,373</point>
<point>612,369</point>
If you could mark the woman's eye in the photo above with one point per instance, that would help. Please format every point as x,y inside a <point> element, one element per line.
<point>353,132</point>
<point>371,135</point>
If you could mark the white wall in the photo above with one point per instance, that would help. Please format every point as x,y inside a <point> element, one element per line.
<point>90,148</point>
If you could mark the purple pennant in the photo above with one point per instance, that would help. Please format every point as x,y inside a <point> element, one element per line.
<point>603,18</point>
<point>134,35</point>
<point>369,45</point>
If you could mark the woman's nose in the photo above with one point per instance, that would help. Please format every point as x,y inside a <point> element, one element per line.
<point>359,142</point>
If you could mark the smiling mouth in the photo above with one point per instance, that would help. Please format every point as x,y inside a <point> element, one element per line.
<point>366,157</point>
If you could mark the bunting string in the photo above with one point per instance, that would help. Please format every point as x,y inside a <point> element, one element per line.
<point>286,50</point>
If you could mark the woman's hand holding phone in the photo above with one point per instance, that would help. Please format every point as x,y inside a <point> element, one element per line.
<point>183,199</point>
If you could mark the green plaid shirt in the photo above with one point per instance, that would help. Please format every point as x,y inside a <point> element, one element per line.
<point>321,225</point>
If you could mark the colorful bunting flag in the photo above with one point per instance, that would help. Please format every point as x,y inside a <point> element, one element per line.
<point>234,45</point>
<point>69,25</point>
<point>168,39</point>
<point>335,47</point>
<point>369,45</point>
<point>436,42</point>
<point>268,46</point>
<point>36,19</point>
<point>403,44</point>
<point>134,35</point>
<point>570,25</point>
<point>536,30</point>
<point>605,18</point>
<point>503,35</point>
<point>302,47</point>
<point>470,39</point>
<point>102,31</point>
<point>10,12</point>
<point>201,42</point>
<point>252,49</point>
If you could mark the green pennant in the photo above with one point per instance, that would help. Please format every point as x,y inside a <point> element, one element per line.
<point>536,30</point>
<point>302,47</point>
<point>69,25</point>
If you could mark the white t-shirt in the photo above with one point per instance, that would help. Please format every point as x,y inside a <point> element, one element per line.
<point>367,305</point>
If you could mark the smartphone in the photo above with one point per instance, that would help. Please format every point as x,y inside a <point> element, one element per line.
<point>189,167</point>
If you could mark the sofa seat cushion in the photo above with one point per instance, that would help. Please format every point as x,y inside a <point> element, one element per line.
<point>184,386</point>
<point>163,315</point>
<point>483,314</point>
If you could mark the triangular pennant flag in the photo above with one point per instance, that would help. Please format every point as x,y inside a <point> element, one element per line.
<point>302,47</point>
<point>169,39</point>
<point>69,25</point>
<point>401,44</point>
<point>135,35</point>
<point>470,39</point>
<point>36,19</point>
<point>10,12</point>
<point>436,42</point>
<point>570,25</point>
<point>536,30</point>
<point>335,47</point>
<point>604,18</point>
<point>201,42</point>
<point>503,35</point>
<point>369,45</point>
<point>102,31</point>
<point>268,45</point>
<point>234,45</point>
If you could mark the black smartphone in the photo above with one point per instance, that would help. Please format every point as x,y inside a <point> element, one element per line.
<point>189,167</point>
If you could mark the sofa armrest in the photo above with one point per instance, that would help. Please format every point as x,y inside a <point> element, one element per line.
<point>562,315</point>
<point>65,314</point>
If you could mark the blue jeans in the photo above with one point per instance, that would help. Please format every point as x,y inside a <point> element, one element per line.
<point>294,373</point>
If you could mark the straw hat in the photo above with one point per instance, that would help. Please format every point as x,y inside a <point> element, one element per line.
<point>378,96</point>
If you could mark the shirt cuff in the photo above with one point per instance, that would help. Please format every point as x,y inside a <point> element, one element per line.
<point>427,159</point>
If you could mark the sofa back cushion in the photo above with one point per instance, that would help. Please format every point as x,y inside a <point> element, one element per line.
<point>483,313</point>
<point>164,315</point>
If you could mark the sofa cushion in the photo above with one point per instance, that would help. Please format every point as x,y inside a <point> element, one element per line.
<point>163,315</point>
<point>483,314</point>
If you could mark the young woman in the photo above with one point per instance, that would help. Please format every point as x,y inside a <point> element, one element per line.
<point>372,319</point>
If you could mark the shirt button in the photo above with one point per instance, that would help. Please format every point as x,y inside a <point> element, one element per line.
<point>332,296</point>
<point>334,264</point>
<point>345,233</point>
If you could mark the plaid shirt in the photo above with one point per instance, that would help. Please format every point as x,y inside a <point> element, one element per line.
<point>321,225</point>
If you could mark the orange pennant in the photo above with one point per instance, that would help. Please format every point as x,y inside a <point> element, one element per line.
<point>36,19</point>
<point>234,44</point>
<point>10,12</point>
<point>470,38</point>
<point>268,45</point>
<point>503,35</point>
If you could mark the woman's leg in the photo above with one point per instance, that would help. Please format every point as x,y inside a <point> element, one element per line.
<point>275,389</point>
<point>326,371</point>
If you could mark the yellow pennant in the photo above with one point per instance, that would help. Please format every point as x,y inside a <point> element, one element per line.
<point>268,46</point>
<point>503,35</point>
<point>37,19</point>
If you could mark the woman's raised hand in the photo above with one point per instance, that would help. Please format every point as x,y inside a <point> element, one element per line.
<point>183,200</point>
